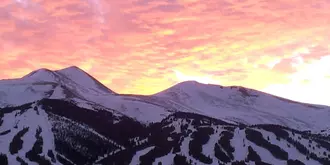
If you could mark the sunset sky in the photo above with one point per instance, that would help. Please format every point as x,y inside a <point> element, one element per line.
<point>144,46</point>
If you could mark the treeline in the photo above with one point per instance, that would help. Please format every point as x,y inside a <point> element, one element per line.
<point>76,143</point>
<point>120,132</point>
<point>198,120</point>
<point>280,132</point>
<point>257,138</point>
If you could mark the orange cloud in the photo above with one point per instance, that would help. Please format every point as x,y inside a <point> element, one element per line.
<point>133,46</point>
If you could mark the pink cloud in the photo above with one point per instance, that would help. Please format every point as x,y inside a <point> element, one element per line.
<point>131,45</point>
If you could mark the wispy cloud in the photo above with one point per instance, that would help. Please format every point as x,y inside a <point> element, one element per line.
<point>134,45</point>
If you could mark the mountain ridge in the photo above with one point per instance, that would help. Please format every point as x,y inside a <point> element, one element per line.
<point>183,83</point>
<point>231,103</point>
<point>61,117</point>
<point>241,89</point>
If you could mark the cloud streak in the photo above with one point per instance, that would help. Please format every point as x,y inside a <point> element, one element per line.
<point>133,46</point>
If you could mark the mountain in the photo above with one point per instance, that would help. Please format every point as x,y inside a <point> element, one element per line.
<point>70,82</point>
<point>248,106</point>
<point>68,117</point>
<point>77,86</point>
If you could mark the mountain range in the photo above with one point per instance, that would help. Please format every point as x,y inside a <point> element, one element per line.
<point>68,117</point>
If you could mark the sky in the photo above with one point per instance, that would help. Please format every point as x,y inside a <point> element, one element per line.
<point>145,46</point>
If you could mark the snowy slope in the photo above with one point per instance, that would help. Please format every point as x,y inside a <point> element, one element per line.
<point>184,139</point>
<point>18,93</point>
<point>26,136</point>
<point>84,80</point>
<point>58,132</point>
<point>247,106</point>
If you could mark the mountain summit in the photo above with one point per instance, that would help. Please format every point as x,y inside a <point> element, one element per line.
<point>68,117</point>
<point>246,105</point>
<point>72,74</point>
<point>71,82</point>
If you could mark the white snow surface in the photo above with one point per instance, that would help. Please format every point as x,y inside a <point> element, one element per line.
<point>21,93</point>
<point>136,157</point>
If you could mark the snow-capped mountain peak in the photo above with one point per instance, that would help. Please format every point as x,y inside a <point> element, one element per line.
<point>72,68</point>
<point>245,105</point>
<point>83,78</point>
<point>193,89</point>
<point>70,75</point>
<point>41,75</point>
<point>71,82</point>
